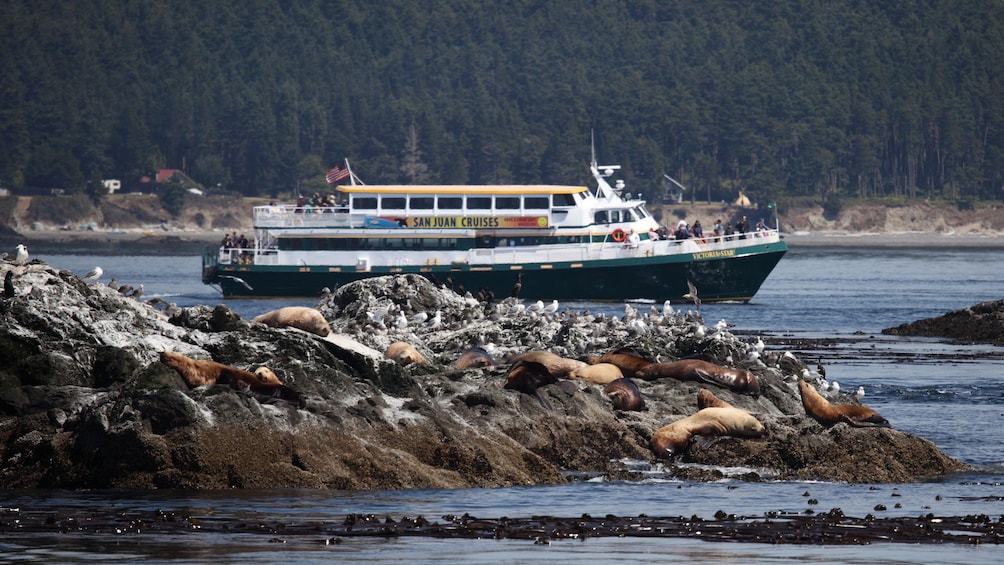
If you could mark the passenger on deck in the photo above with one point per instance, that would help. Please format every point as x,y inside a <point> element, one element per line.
<point>653,234</point>
<point>632,241</point>
<point>681,230</point>
<point>742,227</point>
<point>697,232</point>
<point>761,228</point>
<point>719,230</point>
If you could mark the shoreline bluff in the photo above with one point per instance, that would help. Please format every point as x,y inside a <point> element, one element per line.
<point>85,401</point>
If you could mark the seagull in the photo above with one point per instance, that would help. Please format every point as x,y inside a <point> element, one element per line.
<point>113,284</point>
<point>94,275</point>
<point>419,318</point>
<point>535,307</point>
<point>834,387</point>
<point>137,293</point>
<point>125,289</point>
<point>402,321</point>
<point>860,393</point>
<point>22,254</point>
<point>237,280</point>
<point>692,295</point>
<point>437,320</point>
<point>551,308</point>
<point>667,309</point>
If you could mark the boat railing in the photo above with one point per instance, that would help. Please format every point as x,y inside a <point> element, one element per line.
<point>617,250</point>
<point>290,215</point>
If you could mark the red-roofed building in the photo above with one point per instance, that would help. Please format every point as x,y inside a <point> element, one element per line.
<point>167,175</point>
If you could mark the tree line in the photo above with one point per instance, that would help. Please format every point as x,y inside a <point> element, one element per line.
<point>815,99</point>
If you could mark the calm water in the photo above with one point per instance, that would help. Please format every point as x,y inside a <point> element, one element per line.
<point>950,394</point>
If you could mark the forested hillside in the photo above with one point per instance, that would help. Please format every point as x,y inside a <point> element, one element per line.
<point>809,98</point>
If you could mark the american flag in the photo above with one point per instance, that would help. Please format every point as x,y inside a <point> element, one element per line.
<point>336,174</point>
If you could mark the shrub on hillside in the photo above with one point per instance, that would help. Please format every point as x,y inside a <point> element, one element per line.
<point>60,210</point>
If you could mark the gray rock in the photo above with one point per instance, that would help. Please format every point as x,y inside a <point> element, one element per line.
<point>85,402</point>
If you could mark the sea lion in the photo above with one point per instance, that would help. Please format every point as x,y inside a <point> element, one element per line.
<point>705,399</point>
<point>828,414</point>
<point>600,373</point>
<point>404,353</point>
<point>715,421</point>
<point>527,376</point>
<point>204,372</point>
<point>300,317</point>
<point>474,357</point>
<point>627,360</point>
<point>625,395</point>
<point>556,365</point>
<point>736,380</point>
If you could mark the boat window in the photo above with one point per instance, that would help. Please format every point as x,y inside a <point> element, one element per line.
<point>420,202</point>
<point>507,202</point>
<point>479,203</point>
<point>535,203</point>
<point>392,203</point>
<point>450,202</point>
<point>640,212</point>
<point>563,200</point>
<point>601,217</point>
<point>364,203</point>
<point>615,216</point>
<point>633,215</point>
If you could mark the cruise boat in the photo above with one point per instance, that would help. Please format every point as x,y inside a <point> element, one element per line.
<point>529,241</point>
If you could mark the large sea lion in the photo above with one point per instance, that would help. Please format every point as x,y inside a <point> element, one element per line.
<point>716,421</point>
<point>626,359</point>
<point>600,373</point>
<point>300,317</point>
<point>527,376</point>
<point>204,372</point>
<point>474,357</point>
<point>404,353</point>
<point>556,365</point>
<point>828,414</point>
<point>736,380</point>
<point>625,395</point>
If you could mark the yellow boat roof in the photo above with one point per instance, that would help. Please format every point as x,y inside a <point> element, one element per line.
<point>508,189</point>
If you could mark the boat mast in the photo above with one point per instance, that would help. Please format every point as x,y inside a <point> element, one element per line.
<point>603,189</point>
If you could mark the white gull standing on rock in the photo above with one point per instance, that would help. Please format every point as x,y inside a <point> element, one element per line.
<point>22,254</point>
<point>94,274</point>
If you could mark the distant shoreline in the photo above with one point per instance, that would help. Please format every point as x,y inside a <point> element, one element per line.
<point>183,242</point>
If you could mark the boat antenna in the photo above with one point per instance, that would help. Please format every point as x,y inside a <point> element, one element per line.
<point>353,179</point>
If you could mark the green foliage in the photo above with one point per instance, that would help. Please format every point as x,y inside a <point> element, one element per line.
<point>61,210</point>
<point>172,198</point>
<point>778,99</point>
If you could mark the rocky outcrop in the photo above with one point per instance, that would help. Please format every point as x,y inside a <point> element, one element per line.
<point>982,323</point>
<point>86,403</point>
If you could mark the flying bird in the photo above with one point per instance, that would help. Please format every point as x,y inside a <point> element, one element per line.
<point>94,274</point>
<point>692,295</point>
<point>237,280</point>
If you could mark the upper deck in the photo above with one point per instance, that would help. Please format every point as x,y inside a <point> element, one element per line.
<point>414,206</point>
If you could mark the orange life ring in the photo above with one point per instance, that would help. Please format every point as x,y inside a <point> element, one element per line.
<point>618,235</point>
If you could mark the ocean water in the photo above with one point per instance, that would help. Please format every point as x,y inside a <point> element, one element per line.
<point>949,393</point>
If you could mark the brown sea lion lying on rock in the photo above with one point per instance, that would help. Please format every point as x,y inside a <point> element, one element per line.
<point>556,365</point>
<point>300,317</point>
<point>625,395</point>
<point>474,357</point>
<point>404,353</point>
<point>736,380</point>
<point>828,414</point>
<point>628,360</point>
<point>715,421</point>
<point>205,372</point>
<point>600,373</point>
<point>528,376</point>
